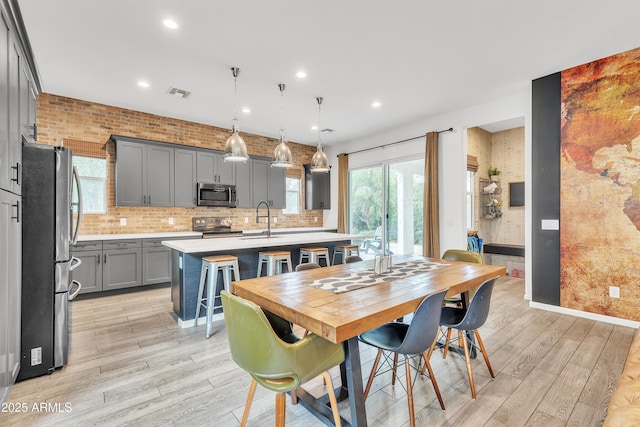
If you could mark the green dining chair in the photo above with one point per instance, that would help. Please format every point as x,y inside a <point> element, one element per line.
<point>464,256</point>
<point>273,363</point>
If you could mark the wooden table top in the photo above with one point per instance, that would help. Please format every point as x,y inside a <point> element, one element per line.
<point>340,316</point>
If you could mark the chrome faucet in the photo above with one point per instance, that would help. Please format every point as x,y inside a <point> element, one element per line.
<point>268,216</point>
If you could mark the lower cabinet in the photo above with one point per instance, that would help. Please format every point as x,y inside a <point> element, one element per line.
<point>156,262</point>
<point>89,272</point>
<point>122,266</point>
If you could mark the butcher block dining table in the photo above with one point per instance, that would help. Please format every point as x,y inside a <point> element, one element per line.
<point>340,302</point>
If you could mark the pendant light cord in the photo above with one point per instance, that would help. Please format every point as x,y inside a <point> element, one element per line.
<point>235,72</point>
<point>319,99</point>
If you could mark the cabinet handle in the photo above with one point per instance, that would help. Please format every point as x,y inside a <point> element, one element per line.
<point>99,259</point>
<point>149,199</point>
<point>17,206</point>
<point>144,200</point>
<point>17,169</point>
<point>35,131</point>
<point>105,258</point>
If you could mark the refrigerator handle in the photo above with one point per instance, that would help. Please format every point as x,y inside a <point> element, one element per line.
<point>77,261</point>
<point>76,177</point>
<point>72,295</point>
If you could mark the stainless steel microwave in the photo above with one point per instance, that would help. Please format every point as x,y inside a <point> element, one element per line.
<point>216,195</point>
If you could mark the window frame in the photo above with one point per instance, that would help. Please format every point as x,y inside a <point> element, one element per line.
<point>104,181</point>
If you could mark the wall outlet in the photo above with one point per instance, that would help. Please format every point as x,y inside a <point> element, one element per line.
<point>246,220</point>
<point>315,219</point>
<point>614,291</point>
<point>275,219</point>
<point>170,221</point>
<point>123,221</point>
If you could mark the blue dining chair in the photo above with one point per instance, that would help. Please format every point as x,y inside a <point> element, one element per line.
<point>416,338</point>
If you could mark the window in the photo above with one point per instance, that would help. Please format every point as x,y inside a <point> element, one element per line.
<point>93,179</point>
<point>292,205</point>
<point>470,181</point>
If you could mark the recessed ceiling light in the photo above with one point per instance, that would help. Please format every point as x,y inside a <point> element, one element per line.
<point>142,83</point>
<point>246,110</point>
<point>376,104</point>
<point>314,127</point>
<point>301,74</point>
<point>170,23</point>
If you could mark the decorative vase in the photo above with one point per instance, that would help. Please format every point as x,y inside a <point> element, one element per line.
<point>493,178</point>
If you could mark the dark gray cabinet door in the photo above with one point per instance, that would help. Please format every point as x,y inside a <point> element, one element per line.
<point>185,178</point>
<point>10,280</point>
<point>260,181</point>
<point>15,140</point>
<point>121,268</point>
<point>206,167</point>
<point>89,273</point>
<point>244,184</point>
<point>5,169</point>
<point>156,265</point>
<point>277,191</point>
<point>226,170</point>
<point>130,174</point>
<point>159,175</point>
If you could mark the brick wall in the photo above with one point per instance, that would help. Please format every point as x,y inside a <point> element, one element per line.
<point>62,118</point>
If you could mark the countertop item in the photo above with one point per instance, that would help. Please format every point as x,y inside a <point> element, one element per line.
<point>161,235</point>
<point>259,241</point>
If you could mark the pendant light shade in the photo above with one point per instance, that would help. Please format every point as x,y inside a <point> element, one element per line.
<point>235,150</point>
<point>282,154</point>
<point>319,161</point>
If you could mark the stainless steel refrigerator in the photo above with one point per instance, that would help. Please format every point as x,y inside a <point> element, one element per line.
<point>48,230</point>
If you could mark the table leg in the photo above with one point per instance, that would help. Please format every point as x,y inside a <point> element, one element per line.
<point>353,374</point>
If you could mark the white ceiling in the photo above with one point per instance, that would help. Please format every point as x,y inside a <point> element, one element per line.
<point>418,58</point>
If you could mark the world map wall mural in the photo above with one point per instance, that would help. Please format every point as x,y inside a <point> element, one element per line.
<point>600,186</point>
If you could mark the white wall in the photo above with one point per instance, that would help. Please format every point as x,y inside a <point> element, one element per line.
<point>452,161</point>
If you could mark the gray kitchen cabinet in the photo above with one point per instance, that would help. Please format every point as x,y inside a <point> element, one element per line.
<point>5,169</point>
<point>89,272</point>
<point>144,174</point>
<point>121,264</point>
<point>156,262</point>
<point>244,184</point>
<point>10,289</point>
<point>317,188</point>
<point>212,169</point>
<point>15,139</point>
<point>185,178</point>
<point>268,184</point>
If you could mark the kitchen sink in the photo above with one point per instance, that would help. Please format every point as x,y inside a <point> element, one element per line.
<point>258,237</point>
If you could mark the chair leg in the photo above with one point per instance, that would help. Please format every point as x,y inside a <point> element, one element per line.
<point>373,374</point>
<point>407,368</point>
<point>446,343</point>
<point>281,409</point>
<point>332,398</point>
<point>427,357</point>
<point>468,360</point>
<point>247,406</point>
<point>484,353</point>
<point>395,368</point>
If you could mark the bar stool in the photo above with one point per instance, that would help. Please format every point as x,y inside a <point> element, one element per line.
<point>274,261</point>
<point>209,274</point>
<point>345,250</point>
<point>314,255</point>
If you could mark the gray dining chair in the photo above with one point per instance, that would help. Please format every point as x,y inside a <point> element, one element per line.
<point>469,320</point>
<point>416,338</point>
<point>352,258</point>
<point>307,266</point>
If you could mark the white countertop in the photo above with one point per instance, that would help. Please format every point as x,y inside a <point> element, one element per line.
<point>162,235</point>
<point>232,243</point>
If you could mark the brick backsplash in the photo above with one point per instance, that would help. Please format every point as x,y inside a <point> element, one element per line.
<point>62,118</point>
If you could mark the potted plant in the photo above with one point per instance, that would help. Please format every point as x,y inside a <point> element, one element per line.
<point>493,174</point>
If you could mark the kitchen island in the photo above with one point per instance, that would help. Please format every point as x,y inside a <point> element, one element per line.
<point>186,259</point>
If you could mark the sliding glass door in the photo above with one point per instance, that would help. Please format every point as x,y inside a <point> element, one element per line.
<point>385,207</point>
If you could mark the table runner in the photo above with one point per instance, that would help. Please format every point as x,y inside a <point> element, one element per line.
<point>360,279</point>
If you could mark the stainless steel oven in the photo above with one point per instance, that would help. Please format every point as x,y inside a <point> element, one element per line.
<point>216,195</point>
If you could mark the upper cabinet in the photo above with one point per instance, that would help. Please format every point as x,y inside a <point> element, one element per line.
<point>212,169</point>
<point>268,184</point>
<point>317,187</point>
<point>185,178</point>
<point>144,173</point>
<point>244,184</point>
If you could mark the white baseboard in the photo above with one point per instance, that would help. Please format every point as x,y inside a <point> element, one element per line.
<point>199,321</point>
<point>585,314</point>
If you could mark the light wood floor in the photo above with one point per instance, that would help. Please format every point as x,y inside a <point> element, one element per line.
<point>131,365</point>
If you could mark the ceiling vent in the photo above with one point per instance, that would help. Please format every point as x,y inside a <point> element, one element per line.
<point>327,130</point>
<point>178,92</point>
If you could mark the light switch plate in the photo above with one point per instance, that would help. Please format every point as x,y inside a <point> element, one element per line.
<point>170,221</point>
<point>123,221</point>
<point>550,224</point>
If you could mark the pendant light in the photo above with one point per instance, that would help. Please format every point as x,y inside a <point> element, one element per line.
<point>319,161</point>
<point>235,150</point>
<point>282,153</point>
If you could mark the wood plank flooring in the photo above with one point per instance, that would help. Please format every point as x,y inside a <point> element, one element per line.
<point>132,365</point>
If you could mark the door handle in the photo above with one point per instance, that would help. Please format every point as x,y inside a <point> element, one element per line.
<point>17,169</point>
<point>98,259</point>
<point>144,200</point>
<point>17,206</point>
<point>73,266</point>
<point>149,200</point>
<point>72,295</point>
<point>76,177</point>
<point>105,258</point>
